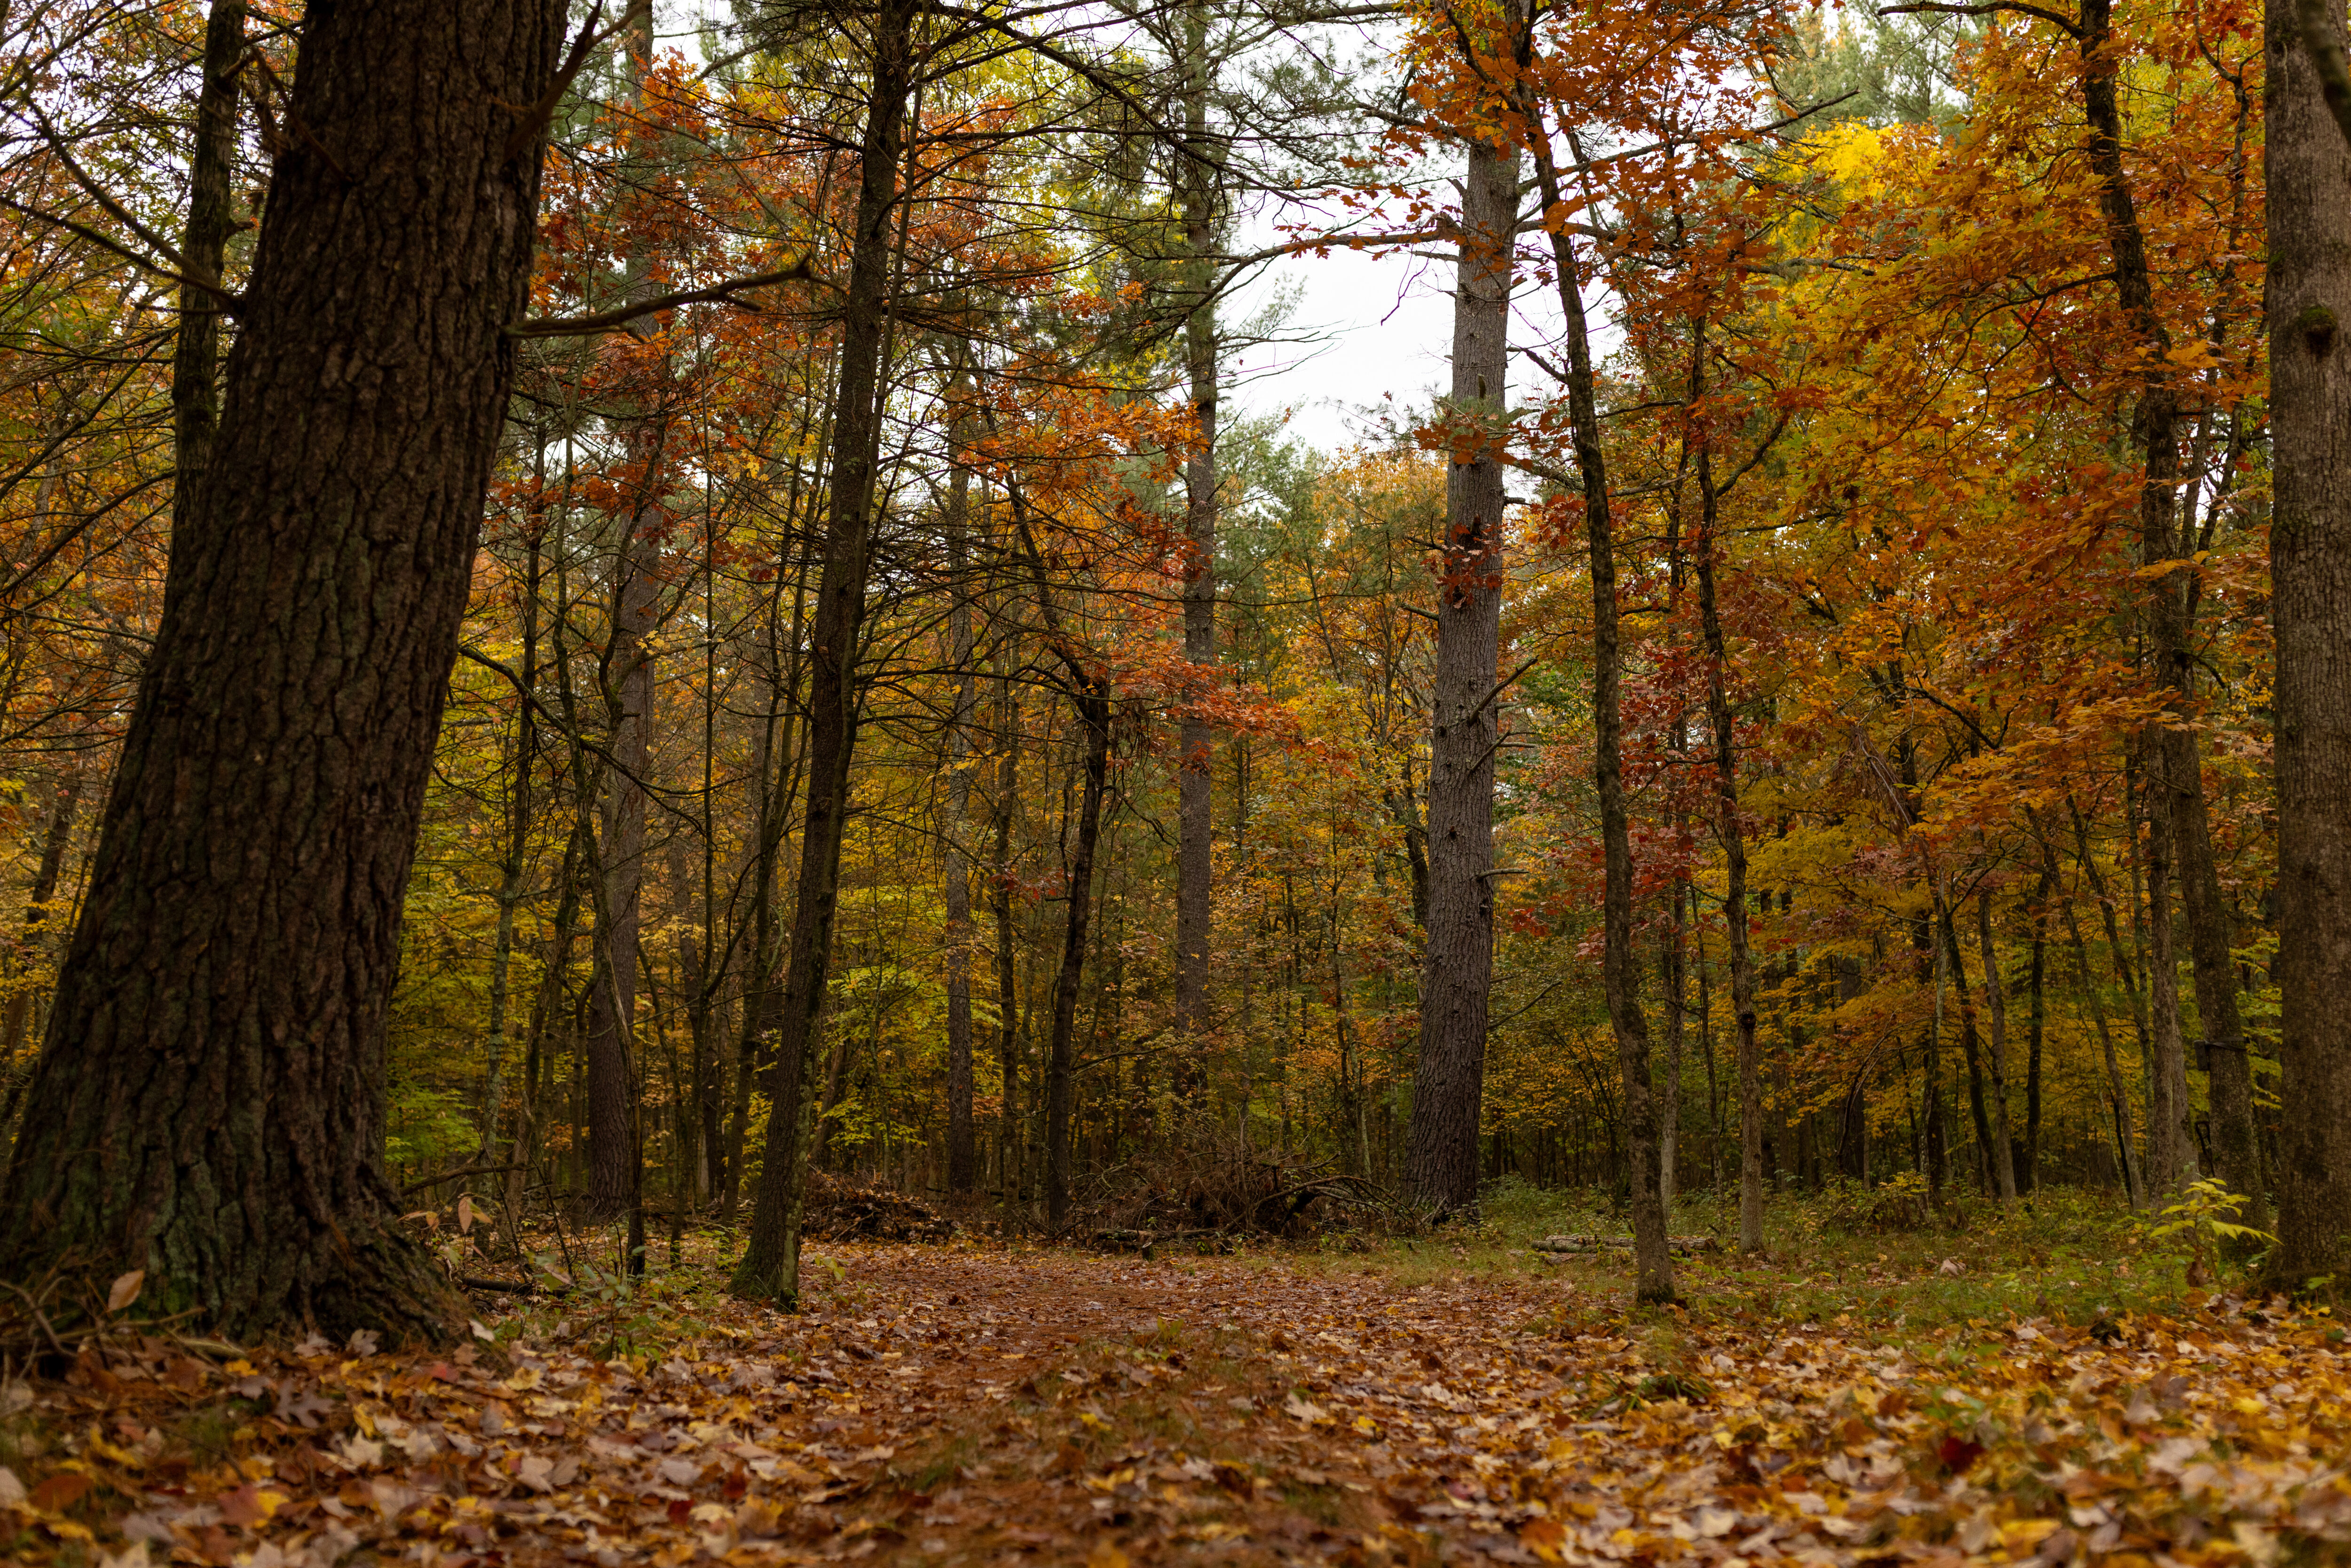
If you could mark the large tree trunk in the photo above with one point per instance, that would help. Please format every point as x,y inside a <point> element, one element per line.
<point>2309,183</point>
<point>1457,983</point>
<point>209,1104</point>
<point>770,1265</point>
<point>1195,774</point>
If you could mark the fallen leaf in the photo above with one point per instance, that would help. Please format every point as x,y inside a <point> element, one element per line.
<point>59,1493</point>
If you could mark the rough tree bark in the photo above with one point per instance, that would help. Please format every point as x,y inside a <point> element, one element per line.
<point>1456,978</point>
<point>208,1104</point>
<point>2309,185</point>
<point>770,1265</point>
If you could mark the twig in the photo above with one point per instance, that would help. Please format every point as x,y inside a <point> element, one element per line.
<point>477,1282</point>
<point>39,1316</point>
<point>453,1176</point>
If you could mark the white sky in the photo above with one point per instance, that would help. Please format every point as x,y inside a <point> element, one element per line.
<point>1379,327</point>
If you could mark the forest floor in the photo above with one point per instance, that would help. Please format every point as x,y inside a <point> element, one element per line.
<point>2044,1390</point>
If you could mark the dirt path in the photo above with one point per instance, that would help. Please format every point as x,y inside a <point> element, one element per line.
<point>968,1404</point>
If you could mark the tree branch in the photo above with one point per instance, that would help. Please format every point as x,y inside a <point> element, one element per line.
<point>620,316</point>
<point>2071,27</point>
<point>535,116</point>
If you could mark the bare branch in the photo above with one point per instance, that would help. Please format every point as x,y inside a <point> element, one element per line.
<point>2071,27</point>
<point>621,316</point>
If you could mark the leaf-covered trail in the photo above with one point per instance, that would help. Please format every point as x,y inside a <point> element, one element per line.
<point>964,1404</point>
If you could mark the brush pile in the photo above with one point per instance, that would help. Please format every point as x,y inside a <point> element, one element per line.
<point>840,1210</point>
<point>1208,1188</point>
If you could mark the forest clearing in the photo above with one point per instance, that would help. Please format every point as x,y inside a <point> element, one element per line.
<point>1866,1397</point>
<point>741,820</point>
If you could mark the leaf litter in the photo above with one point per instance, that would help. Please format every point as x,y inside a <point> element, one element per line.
<point>971,1403</point>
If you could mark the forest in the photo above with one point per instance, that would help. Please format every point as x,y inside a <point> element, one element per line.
<point>658,657</point>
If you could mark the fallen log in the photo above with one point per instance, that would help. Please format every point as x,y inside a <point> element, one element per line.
<point>1570,1244</point>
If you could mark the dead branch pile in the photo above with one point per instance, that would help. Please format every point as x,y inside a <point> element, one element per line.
<point>1206,1187</point>
<point>840,1210</point>
<point>1576,1244</point>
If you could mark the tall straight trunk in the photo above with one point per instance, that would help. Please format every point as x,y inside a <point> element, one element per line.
<point>2114,948</point>
<point>692,991</point>
<point>962,1154</point>
<point>208,1106</point>
<point>2118,1091</point>
<point>2171,1159</point>
<point>615,1155</point>
<point>1733,839</point>
<point>1194,775</point>
<point>1620,969</point>
<point>1996,1015</point>
<point>1997,1174</point>
<point>2037,1019</point>
<point>1008,989</point>
<point>770,1265</point>
<point>1671,984</point>
<point>204,245</point>
<point>2236,1148</point>
<point>2309,185</point>
<point>1457,977</point>
<point>1090,693</point>
<point>780,762</point>
<point>610,1043</point>
<point>522,1142</point>
<point>2174,765</point>
<point>517,858</point>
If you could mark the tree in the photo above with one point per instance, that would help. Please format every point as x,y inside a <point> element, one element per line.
<point>208,1102</point>
<point>2308,168</point>
<point>770,1264</point>
<point>1456,975</point>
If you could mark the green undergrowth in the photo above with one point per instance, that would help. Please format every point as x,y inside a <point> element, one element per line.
<point>1843,1255</point>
